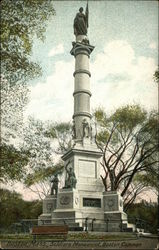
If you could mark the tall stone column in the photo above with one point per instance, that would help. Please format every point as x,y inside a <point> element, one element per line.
<point>81,51</point>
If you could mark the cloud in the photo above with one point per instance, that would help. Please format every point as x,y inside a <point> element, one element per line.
<point>115,59</point>
<point>153,45</point>
<point>53,100</point>
<point>59,49</point>
<point>120,77</point>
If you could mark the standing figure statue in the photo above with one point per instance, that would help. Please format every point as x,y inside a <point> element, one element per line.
<point>86,129</point>
<point>73,130</point>
<point>93,132</point>
<point>70,179</point>
<point>54,187</point>
<point>81,22</point>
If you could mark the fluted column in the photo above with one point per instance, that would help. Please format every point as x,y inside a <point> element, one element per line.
<point>81,51</point>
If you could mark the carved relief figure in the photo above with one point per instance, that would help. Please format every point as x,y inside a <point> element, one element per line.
<point>81,22</point>
<point>71,180</point>
<point>93,132</point>
<point>73,130</point>
<point>86,129</point>
<point>54,187</point>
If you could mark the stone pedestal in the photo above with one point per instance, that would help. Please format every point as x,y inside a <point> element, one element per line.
<point>86,200</point>
<point>114,216</point>
<point>73,205</point>
<point>113,202</point>
<point>49,205</point>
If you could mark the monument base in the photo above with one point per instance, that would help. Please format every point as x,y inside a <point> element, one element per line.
<point>74,206</point>
<point>116,219</point>
<point>49,205</point>
<point>87,210</point>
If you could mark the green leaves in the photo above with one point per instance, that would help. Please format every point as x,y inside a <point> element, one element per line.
<point>102,137</point>
<point>100,117</point>
<point>21,21</point>
<point>129,116</point>
<point>42,174</point>
<point>40,140</point>
<point>14,208</point>
<point>156,76</point>
<point>13,163</point>
<point>38,146</point>
<point>62,133</point>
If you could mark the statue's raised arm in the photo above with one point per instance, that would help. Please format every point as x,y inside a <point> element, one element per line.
<point>81,22</point>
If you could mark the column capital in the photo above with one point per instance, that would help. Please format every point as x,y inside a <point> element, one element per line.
<point>81,48</point>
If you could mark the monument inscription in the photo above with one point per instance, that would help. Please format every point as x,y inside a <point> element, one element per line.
<point>91,202</point>
<point>87,168</point>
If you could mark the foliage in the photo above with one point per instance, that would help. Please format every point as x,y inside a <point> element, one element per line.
<point>146,211</point>
<point>13,159</point>
<point>94,236</point>
<point>38,146</point>
<point>75,237</point>
<point>61,132</point>
<point>13,162</point>
<point>156,76</point>
<point>12,102</point>
<point>149,178</point>
<point>43,141</point>
<point>21,21</point>
<point>14,208</point>
<point>128,141</point>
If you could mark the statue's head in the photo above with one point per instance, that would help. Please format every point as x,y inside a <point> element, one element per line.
<point>81,9</point>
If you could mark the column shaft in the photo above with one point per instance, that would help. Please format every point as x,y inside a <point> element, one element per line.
<point>82,92</point>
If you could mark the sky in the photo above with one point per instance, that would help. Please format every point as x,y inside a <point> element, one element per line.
<point>125,36</point>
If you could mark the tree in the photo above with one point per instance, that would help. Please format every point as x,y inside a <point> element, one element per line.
<point>146,211</point>
<point>13,100</point>
<point>13,163</point>
<point>134,191</point>
<point>156,76</point>
<point>14,208</point>
<point>21,22</point>
<point>128,141</point>
<point>149,178</point>
<point>12,159</point>
<point>62,133</point>
<point>44,142</point>
<point>40,161</point>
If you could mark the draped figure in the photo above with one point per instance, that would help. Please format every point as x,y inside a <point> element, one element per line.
<point>81,22</point>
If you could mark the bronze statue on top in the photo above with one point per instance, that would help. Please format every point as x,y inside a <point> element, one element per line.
<point>81,22</point>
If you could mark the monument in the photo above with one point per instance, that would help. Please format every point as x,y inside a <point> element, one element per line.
<point>83,198</point>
